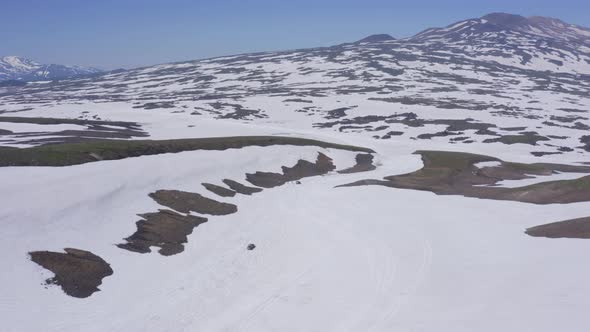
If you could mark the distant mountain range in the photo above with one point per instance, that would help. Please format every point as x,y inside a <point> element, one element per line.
<point>15,68</point>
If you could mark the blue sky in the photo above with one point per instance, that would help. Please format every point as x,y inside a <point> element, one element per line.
<point>130,33</point>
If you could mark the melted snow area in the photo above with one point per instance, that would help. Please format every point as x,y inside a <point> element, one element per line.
<point>366,258</point>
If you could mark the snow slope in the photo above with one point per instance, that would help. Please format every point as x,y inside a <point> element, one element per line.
<point>327,259</point>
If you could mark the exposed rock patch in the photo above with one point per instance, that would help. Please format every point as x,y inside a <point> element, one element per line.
<point>240,188</point>
<point>165,229</point>
<point>94,129</point>
<point>302,169</point>
<point>219,190</point>
<point>455,173</point>
<point>186,202</point>
<point>531,138</point>
<point>391,134</point>
<point>78,272</point>
<point>82,150</point>
<point>573,229</point>
<point>364,163</point>
<point>586,141</point>
<point>339,112</point>
<point>266,179</point>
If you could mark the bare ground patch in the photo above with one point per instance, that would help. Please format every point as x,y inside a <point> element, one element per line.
<point>95,150</point>
<point>219,190</point>
<point>266,179</point>
<point>364,163</point>
<point>573,229</point>
<point>78,272</point>
<point>165,229</point>
<point>186,202</point>
<point>455,173</point>
<point>302,169</point>
<point>95,129</point>
<point>240,188</point>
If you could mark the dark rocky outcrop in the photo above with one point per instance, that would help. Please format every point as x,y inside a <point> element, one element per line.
<point>78,272</point>
<point>573,229</point>
<point>456,173</point>
<point>240,188</point>
<point>219,190</point>
<point>364,163</point>
<point>302,169</point>
<point>186,202</point>
<point>165,229</point>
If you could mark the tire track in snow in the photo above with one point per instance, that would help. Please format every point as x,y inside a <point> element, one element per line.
<point>406,298</point>
<point>268,301</point>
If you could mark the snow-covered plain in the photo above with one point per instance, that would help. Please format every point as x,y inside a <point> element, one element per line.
<point>327,259</point>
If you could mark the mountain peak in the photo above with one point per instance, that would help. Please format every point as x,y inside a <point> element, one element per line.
<point>17,63</point>
<point>505,20</point>
<point>376,38</point>
<point>494,24</point>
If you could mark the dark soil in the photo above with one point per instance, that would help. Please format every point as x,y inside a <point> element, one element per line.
<point>165,229</point>
<point>78,272</point>
<point>95,150</point>
<point>219,190</point>
<point>302,169</point>
<point>573,229</point>
<point>54,121</point>
<point>364,163</point>
<point>443,133</point>
<point>455,173</point>
<point>586,141</point>
<point>531,138</point>
<point>544,153</point>
<point>240,188</point>
<point>95,129</point>
<point>514,128</point>
<point>392,133</point>
<point>266,179</point>
<point>186,202</point>
<point>339,112</point>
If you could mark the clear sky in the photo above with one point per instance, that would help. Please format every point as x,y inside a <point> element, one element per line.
<point>129,33</point>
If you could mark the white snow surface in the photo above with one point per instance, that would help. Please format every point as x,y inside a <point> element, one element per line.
<point>327,259</point>
<point>533,179</point>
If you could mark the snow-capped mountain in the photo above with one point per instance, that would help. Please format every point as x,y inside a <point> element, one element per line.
<point>499,25</point>
<point>22,69</point>
<point>537,43</point>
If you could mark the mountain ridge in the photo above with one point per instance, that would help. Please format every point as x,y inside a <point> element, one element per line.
<point>17,68</point>
<point>540,26</point>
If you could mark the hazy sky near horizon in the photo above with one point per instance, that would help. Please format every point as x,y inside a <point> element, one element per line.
<point>130,33</point>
